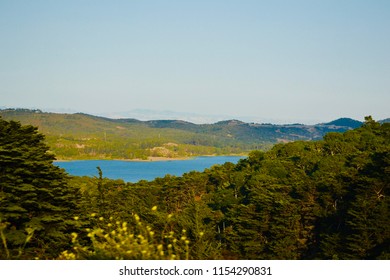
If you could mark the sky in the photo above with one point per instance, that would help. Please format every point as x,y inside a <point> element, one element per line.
<point>286,61</point>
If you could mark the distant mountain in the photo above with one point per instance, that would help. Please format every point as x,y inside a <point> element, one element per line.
<point>146,115</point>
<point>385,121</point>
<point>81,135</point>
<point>196,118</point>
<point>345,122</point>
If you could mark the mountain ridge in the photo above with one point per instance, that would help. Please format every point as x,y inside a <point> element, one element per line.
<point>85,136</point>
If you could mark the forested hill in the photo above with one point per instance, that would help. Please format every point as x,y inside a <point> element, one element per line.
<point>82,136</point>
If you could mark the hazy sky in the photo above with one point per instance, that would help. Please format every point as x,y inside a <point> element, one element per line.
<point>283,60</point>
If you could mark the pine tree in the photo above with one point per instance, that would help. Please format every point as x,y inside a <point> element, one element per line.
<point>36,205</point>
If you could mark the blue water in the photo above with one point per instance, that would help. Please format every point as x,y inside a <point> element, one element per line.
<point>133,171</point>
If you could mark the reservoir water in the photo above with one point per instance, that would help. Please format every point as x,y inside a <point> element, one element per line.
<point>133,171</point>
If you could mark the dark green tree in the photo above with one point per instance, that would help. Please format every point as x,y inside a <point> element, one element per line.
<point>36,205</point>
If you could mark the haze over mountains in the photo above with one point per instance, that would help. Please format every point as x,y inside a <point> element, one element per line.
<point>197,118</point>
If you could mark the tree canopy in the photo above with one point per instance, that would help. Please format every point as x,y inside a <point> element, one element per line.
<point>36,204</point>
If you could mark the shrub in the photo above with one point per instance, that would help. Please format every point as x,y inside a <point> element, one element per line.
<point>132,240</point>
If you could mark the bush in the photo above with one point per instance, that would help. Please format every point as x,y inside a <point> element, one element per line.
<point>132,240</point>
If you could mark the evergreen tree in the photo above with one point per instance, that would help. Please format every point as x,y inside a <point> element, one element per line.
<point>36,205</point>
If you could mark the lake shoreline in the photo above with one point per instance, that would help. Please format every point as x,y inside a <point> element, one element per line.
<point>150,159</point>
<point>126,159</point>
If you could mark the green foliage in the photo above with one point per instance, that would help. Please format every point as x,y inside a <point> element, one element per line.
<point>34,195</point>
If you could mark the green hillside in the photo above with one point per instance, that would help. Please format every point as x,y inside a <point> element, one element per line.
<point>82,136</point>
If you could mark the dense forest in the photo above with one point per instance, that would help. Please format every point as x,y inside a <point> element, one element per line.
<point>82,136</point>
<point>323,199</point>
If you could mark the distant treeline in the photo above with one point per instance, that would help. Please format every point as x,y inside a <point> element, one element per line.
<point>325,199</point>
